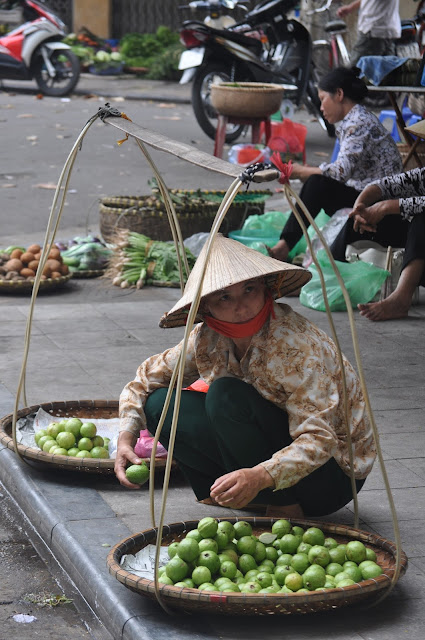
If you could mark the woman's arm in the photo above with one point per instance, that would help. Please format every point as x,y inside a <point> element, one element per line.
<point>302,171</point>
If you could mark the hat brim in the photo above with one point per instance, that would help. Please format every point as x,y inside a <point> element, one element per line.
<point>244,263</point>
<point>418,129</point>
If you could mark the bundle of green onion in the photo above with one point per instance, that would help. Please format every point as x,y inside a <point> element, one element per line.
<point>138,260</point>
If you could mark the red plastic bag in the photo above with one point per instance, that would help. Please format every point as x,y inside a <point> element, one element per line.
<point>287,138</point>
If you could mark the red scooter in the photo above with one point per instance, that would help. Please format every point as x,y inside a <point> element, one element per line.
<point>34,51</point>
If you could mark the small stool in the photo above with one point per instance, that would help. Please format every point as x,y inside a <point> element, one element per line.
<point>408,116</point>
<point>255,123</point>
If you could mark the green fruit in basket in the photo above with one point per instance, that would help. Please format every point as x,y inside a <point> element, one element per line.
<point>73,451</point>
<point>247,563</point>
<point>370,570</point>
<point>339,577</point>
<point>208,544</point>
<point>228,569</point>
<point>289,543</point>
<point>39,434</point>
<point>188,549</point>
<point>281,527</point>
<point>272,554</point>
<point>246,544</point>
<point>208,527</point>
<point>370,554</point>
<point>242,528</point>
<point>227,528</point>
<point>98,441</point>
<point>200,575</point>
<point>49,444</point>
<point>356,551</point>
<point>330,543</point>
<point>54,428</point>
<point>164,579</point>
<point>99,452</point>
<point>73,425</point>
<point>338,554</point>
<point>293,581</point>
<point>207,586</point>
<point>65,439</point>
<point>250,587</point>
<point>345,583</point>
<point>106,442</point>
<point>59,451</point>
<point>209,559</point>
<point>314,536</point>
<point>354,573</point>
<point>319,555</point>
<point>297,531</point>
<point>83,454</point>
<point>222,540</point>
<point>229,554</point>
<point>333,568</point>
<point>314,577</point>
<point>172,549</point>
<point>88,430</point>
<point>85,444</point>
<point>137,473</point>
<point>194,533</point>
<point>43,439</point>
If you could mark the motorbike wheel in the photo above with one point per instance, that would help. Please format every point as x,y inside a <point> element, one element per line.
<point>67,73</point>
<point>312,103</point>
<point>205,113</point>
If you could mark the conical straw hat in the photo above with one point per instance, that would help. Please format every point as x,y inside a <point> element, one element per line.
<point>418,129</point>
<point>231,262</point>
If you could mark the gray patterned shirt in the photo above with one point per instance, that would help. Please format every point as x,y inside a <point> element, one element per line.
<point>367,150</point>
<point>408,188</point>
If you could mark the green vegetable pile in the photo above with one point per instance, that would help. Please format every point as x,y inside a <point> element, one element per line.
<point>138,260</point>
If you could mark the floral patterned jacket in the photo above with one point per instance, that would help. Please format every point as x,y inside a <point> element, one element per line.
<point>408,188</point>
<point>290,362</point>
<point>367,151</point>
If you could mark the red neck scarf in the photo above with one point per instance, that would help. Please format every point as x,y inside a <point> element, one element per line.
<point>242,329</point>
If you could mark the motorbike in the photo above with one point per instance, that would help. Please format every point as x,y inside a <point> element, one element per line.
<point>266,46</point>
<point>34,50</point>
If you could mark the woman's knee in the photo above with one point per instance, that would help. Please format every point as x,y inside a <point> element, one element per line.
<point>226,396</point>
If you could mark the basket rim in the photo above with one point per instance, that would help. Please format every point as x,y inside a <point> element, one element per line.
<point>176,596</point>
<point>101,465</point>
<point>23,285</point>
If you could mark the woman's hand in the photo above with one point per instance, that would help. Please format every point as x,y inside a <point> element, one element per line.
<point>125,455</point>
<point>368,218</point>
<point>238,488</point>
<point>302,171</point>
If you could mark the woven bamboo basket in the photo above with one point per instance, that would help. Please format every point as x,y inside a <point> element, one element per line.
<point>246,99</point>
<point>88,409</point>
<point>192,600</point>
<point>147,214</point>
<point>87,273</point>
<point>412,164</point>
<point>25,286</point>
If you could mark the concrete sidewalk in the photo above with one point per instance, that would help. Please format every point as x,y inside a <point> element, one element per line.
<point>87,341</point>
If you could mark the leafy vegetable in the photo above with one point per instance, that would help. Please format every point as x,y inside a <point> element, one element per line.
<point>138,260</point>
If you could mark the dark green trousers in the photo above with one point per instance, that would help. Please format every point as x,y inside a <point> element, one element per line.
<point>232,427</point>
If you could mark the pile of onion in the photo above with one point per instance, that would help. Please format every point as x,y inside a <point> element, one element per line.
<point>24,264</point>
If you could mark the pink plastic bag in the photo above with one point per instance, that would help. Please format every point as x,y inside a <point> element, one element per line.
<point>143,447</point>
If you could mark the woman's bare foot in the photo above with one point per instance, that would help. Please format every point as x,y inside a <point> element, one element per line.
<point>391,308</point>
<point>280,251</point>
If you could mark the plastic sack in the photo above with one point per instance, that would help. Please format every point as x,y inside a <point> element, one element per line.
<point>144,445</point>
<point>271,221</point>
<point>329,231</point>
<point>196,242</point>
<point>362,281</point>
<point>246,154</point>
<point>301,247</point>
<point>288,139</point>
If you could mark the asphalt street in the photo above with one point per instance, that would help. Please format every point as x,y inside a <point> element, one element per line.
<point>89,337</point>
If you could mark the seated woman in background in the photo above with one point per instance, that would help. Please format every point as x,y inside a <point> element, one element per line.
<point>367,152</point>
<point>391,211</point>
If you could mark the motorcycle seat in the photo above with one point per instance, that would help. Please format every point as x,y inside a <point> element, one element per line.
<point>335,26</point>
<point>249,42</point>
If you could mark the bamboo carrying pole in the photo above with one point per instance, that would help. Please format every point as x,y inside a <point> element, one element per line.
<point>143,137</point>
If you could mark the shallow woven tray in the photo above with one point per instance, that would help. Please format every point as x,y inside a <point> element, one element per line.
<point>27,285</point>
<point>87,273</point>
<point>70,408</point>
<point>190,600</point>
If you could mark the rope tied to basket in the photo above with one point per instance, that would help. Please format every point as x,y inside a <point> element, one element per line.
<point>111,112</point>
